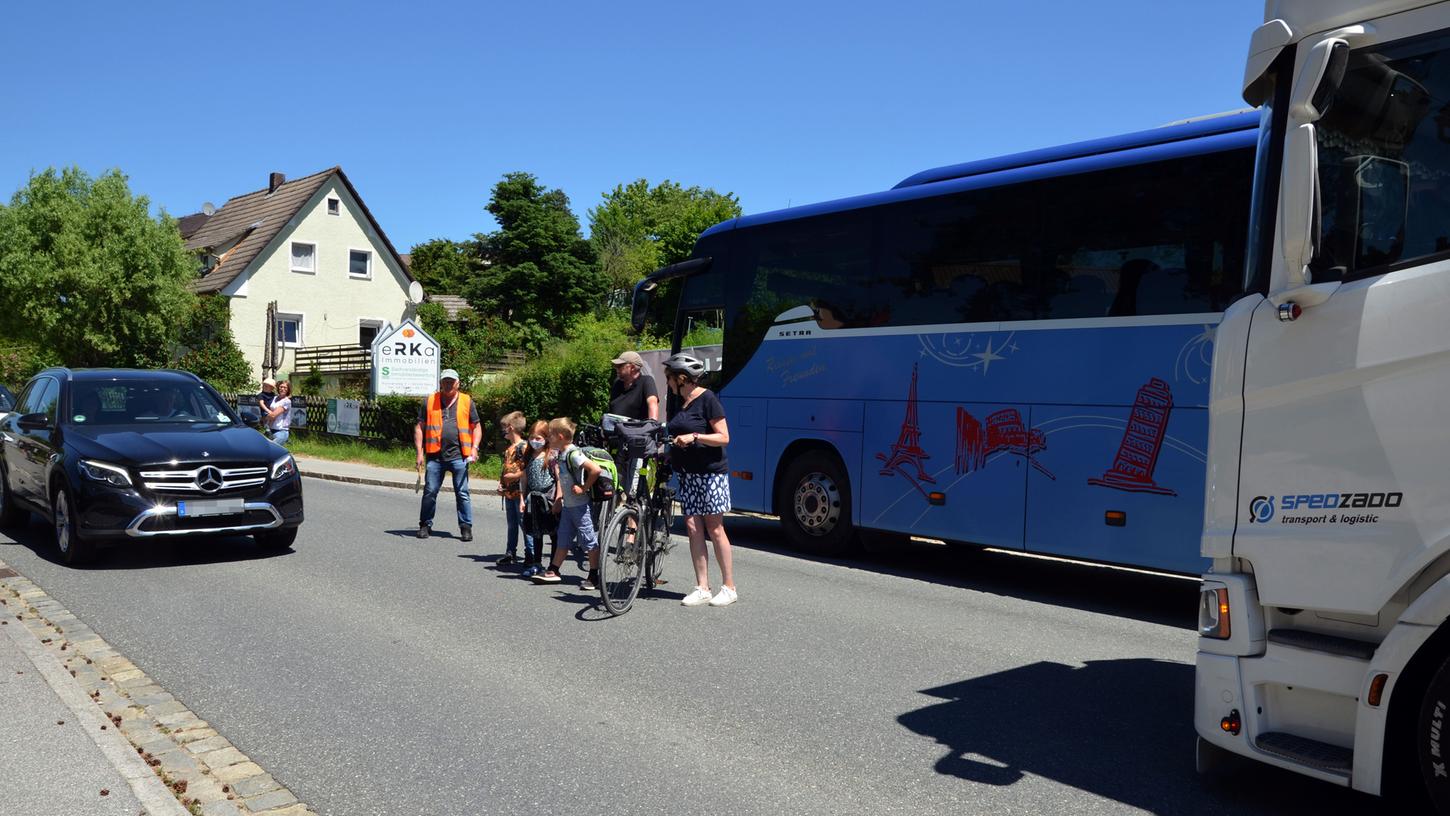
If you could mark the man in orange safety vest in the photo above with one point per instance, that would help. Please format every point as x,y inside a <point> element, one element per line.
<point>447,437</point>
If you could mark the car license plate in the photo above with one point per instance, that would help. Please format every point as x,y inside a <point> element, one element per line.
<point>208,507</point>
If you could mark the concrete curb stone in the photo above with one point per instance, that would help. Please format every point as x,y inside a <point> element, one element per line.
<point>174,761</point>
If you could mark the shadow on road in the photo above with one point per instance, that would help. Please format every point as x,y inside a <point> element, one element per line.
<point>1114,728</point>
<point>1140,596</point>
<point>146,553</point>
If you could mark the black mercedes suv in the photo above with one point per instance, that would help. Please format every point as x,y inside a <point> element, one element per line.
<point>111,455</point>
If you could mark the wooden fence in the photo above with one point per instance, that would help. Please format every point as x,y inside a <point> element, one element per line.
<point>354,359</point>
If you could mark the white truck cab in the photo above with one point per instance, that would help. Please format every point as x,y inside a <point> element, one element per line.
<point>1324,645</point>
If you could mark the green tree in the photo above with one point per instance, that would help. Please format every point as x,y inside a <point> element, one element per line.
<point>538,268</point>
<point>87,274</point>
<point>444,266</point>
<point>208,348</point>
<point>639,228</point>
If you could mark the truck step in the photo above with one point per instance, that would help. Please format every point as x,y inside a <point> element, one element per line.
<point>1305,751</point>
<point>1329,644</point>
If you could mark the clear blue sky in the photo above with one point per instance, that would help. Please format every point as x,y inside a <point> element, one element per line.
<point>426,105</point>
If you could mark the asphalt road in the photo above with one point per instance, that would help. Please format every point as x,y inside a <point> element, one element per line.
<point>373,673</point>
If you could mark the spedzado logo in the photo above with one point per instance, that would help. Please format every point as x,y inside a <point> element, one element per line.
<point>1291,508</point>
<point>1261,509</point>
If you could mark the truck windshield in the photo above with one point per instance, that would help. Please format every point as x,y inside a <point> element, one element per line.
<point>1384,161</point>
<point>146,403</point>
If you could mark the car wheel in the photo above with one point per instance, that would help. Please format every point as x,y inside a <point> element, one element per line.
<point>74,547</point>
<point>279,539</point>
<point>815,504</point>
<point>11,514</point>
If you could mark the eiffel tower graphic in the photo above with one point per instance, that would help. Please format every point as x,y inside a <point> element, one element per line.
<point>907,453</point>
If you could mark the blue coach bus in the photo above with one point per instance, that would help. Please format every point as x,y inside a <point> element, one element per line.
<point>1012,353</point>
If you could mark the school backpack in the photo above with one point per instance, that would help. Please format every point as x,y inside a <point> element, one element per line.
<point>608,472</point>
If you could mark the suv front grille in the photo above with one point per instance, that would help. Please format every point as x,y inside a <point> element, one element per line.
<point>204,480</point>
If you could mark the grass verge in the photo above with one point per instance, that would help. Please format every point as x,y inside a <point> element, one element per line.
<point>396,457</point>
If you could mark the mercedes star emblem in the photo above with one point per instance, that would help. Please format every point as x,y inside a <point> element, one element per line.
<point>209,479</point>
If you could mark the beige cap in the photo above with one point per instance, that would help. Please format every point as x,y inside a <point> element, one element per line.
<point>631,357</point>
<point>269,381</point>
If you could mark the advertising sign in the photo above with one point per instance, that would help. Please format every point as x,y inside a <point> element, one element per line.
<point>344,417</point>
<point>405,361</point>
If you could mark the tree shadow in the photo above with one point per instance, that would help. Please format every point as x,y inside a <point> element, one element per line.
<point>147,553</point>
<point>1121,729</point>
<point>1160,599</point>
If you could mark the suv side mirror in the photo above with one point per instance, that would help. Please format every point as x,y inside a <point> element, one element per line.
<point>33,422</point>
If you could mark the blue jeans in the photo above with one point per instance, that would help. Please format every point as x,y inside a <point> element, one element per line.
<point>516,524</point>
<point>280,437</point>
<point>433,482</point>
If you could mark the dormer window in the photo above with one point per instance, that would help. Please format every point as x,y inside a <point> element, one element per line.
<point>334,207</point>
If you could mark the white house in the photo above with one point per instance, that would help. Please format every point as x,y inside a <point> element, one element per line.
<point>312,247</point>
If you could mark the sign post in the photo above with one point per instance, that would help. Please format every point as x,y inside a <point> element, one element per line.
<point>405,361</point>
<point>344,417</point>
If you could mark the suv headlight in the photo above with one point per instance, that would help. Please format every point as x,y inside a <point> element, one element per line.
<point>113,475</point>
<point>284,468</point>
<point>1213,613</point>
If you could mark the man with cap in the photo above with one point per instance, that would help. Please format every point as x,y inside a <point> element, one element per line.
<point>447,437</point>
<point>633,392</point>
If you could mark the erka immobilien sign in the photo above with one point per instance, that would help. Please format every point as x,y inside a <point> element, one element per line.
<point>405,361</point>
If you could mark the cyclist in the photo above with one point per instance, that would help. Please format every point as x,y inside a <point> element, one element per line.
<point>698,456</point>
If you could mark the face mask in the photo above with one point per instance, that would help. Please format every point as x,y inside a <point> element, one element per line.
<point>536,444</point>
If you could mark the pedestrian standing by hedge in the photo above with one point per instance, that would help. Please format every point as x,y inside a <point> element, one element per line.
<point>698,456</point>
<point>446,436</point>
<point>279,415</point>
<point>512,428</point>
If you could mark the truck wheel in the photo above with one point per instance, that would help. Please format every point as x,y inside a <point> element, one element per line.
<point>815,504</point>
<point>1432,739</point>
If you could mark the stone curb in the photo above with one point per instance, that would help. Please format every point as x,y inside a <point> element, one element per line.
<point>486,487</point>
<point>152,738</point>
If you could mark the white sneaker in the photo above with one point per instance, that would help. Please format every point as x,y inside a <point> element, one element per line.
<point>724,597</point>
<point>700,596</point>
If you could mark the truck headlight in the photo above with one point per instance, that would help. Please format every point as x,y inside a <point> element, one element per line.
<point>1213,613</point>
<point>113,475</point>
<point>284,468</point>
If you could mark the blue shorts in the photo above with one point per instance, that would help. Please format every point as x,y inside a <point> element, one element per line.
<point>576,529</point>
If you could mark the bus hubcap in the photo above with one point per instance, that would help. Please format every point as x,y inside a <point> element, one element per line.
<point>817,504</point>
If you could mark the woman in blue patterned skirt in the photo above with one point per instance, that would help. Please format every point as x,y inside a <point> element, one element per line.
<point>698,456</point>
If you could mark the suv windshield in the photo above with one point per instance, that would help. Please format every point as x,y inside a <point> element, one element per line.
<point>140,402</point>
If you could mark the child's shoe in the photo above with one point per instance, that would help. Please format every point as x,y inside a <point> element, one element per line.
<point>532,570</point>
<point>548,576</point>
<point>508,560</point>
<point>590,582</point>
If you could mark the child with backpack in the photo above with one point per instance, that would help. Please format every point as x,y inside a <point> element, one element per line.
<point>512,426</point>
<point>537,489</point>
<point>577,475</point>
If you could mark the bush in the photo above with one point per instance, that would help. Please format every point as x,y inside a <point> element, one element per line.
<point>211,351</point>
<point>397,415</point>
<point>570,378</point>
<point>20,363</point>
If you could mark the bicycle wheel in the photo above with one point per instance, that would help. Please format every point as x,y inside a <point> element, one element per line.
<point>660,543</point>
<point>621,561</point>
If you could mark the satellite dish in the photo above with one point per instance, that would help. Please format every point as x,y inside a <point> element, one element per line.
<point>415,292</point>
<point>208,208</point>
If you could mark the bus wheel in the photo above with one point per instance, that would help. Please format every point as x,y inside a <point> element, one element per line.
<point>815,504</point>
<point>1432,740</point>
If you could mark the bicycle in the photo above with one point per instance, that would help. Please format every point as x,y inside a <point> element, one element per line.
<point>636,537</point>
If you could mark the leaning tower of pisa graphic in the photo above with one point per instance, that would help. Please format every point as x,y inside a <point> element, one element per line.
<point>1132,468</point>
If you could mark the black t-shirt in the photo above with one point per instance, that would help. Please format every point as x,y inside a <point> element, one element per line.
<point>692,419</point>
<point>632,401</point>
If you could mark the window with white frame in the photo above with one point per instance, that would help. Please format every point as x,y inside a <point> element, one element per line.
<point>289,330</point>
<point>359,263</point>
<point>334,207</point>
<point>367,331</point>
<point>304,257</point>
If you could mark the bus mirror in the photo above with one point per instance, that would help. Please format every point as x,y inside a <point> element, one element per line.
<point>640,309</point>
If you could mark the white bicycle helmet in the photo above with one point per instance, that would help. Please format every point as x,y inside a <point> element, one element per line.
<point>685,364</point>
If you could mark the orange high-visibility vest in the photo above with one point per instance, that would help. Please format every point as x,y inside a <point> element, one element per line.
<point>433,430</point>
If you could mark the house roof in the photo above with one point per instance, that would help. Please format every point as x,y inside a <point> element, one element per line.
<point>452,303</point>
<point>246,224</point>
<point>189,224</point>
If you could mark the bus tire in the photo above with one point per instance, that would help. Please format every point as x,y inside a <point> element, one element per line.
<point>1432,739</point>
<point>814,499</point>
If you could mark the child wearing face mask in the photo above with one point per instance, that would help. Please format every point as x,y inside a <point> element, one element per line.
<point>537,489</point>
